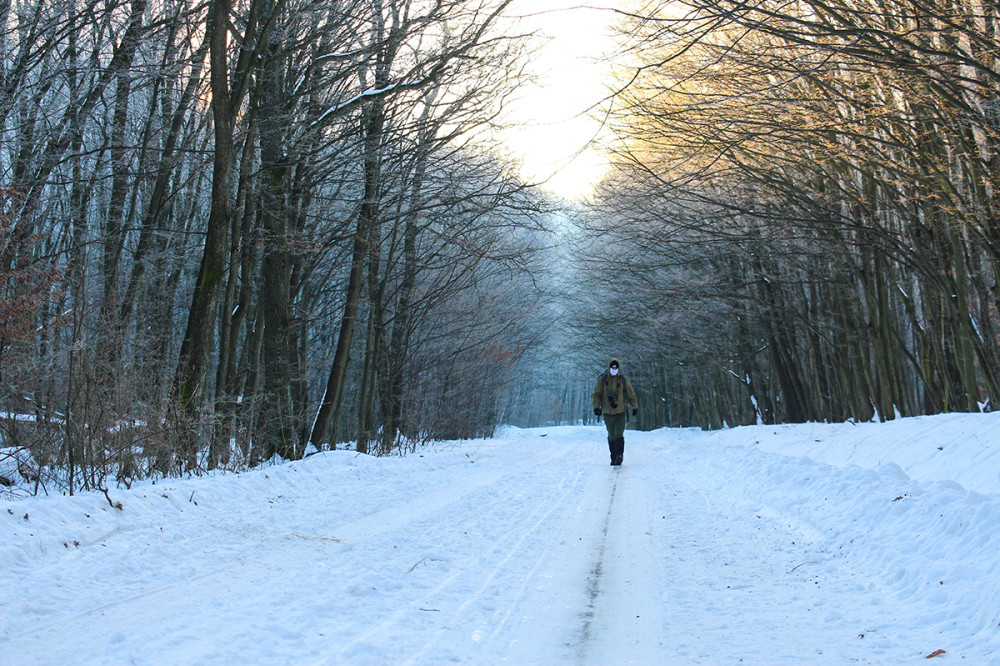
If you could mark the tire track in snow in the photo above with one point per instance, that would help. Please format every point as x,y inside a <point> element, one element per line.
<point>525,537</point>
<point>470,602</point>
<point>623,623</point>
<point>596,574</point>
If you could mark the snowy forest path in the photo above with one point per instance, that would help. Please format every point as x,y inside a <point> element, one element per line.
<point>532,550</point>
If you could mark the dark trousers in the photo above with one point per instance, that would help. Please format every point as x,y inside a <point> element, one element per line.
<point>615,423</point>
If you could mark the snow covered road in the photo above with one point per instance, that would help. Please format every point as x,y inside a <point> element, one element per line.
<point>704,548</point>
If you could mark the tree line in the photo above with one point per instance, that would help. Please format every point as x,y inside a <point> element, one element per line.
<point>238,229</point>
<point>803,221</point>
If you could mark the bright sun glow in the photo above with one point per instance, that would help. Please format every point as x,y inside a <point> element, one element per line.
<point>554,118</point>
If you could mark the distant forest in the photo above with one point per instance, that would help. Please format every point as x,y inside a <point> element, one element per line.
<point>235,230</point>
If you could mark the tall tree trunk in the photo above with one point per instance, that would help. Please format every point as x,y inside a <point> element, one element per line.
<point>392,401</point>
<point>370,371</point>
<point>276,421</point>
<point>235,304</point>
<point>374,120</point>
<point>195,349</point>
<point>227,100</point>
<point>79,196</point>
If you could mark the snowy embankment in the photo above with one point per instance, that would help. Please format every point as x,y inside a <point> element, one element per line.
<point>815,543</point>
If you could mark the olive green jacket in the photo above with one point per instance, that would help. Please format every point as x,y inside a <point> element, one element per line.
<point>619,386</point>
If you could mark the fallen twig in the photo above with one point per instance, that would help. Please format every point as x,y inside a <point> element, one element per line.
<point>801,565</point>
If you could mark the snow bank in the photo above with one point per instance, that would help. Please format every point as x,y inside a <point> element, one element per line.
<point>961,448</point>
<point>912,504</point>
<point>31,528</point>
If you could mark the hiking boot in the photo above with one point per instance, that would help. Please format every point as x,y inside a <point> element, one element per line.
<point>617,450</point>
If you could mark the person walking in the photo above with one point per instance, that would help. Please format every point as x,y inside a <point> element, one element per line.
<point>612,392</point>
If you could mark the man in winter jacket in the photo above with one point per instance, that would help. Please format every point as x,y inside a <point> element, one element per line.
<point>611,394</point>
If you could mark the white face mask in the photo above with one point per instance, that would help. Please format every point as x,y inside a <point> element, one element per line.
<point>614,371</point>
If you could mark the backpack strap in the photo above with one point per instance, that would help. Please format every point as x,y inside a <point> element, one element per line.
<point>620,378</point>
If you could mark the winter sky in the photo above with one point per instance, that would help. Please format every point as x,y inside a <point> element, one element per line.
<point>554,121</point>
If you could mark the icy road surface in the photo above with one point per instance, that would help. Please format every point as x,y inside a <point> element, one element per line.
<point>704,548</point>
